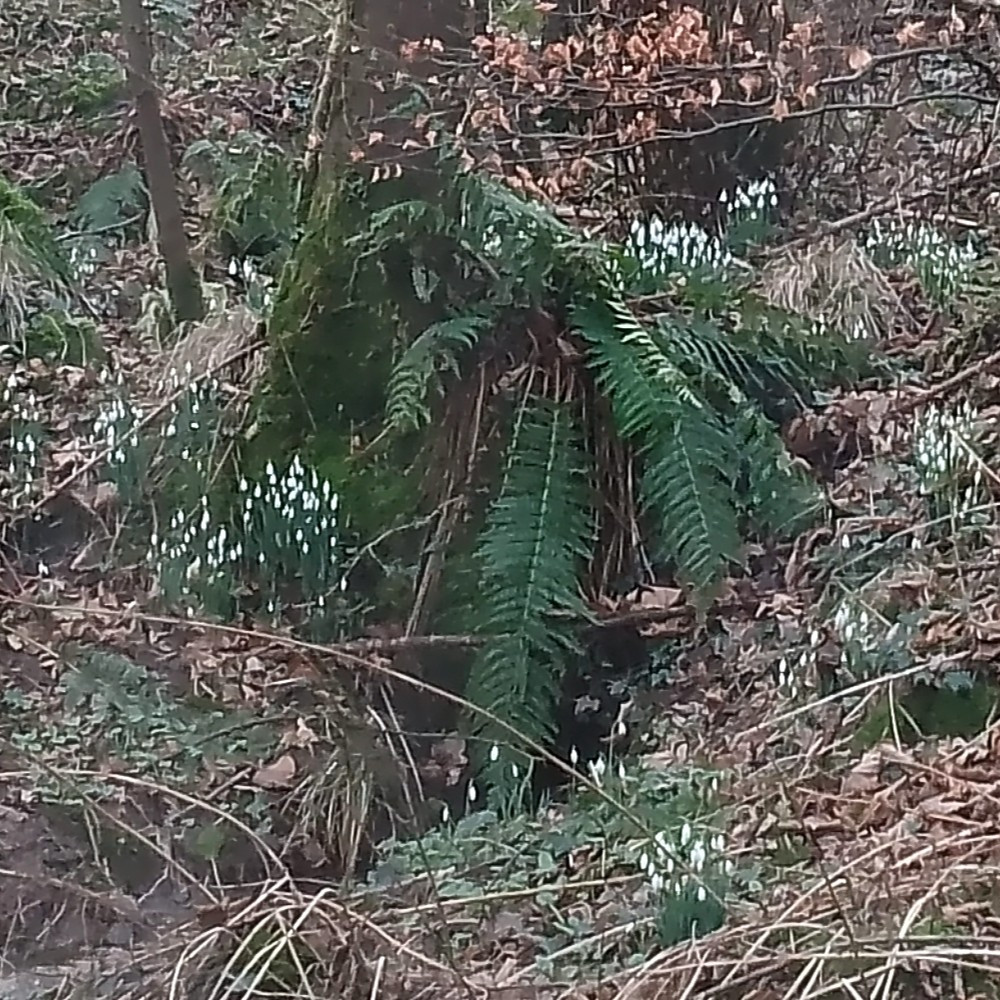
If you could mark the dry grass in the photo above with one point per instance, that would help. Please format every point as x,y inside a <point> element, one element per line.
<point>836,281</point>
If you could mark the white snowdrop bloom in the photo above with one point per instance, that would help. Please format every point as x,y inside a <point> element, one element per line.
<point>686,834</point>
<point>472,793</point>
<point>656,882</point>
<point>445,813</point>
<point>494,753</point>
<point>621,770</point>
<point>661,842</point>
<point>697,857</point>
<point>701,894</point>
<point>574,756</point>
<point>515,770</point>
<point>643,861</point>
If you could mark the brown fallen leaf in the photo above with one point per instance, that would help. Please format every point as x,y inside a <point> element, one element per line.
<point>661,597</point>
<point>278,774</point>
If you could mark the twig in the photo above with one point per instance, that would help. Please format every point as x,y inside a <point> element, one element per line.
<point>960,378</point>
<point>888,204</point>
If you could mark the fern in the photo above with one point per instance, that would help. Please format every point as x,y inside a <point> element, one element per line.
<point>778,498</point>
<point>431,352</point>
<point>689,459</point>
<point>537,534</point>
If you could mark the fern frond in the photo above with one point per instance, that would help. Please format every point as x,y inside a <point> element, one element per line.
<point>433,351</point>
<point>689,459</point>
<point>688,485</point>
<point>537,534</point>
<point>779,498</point>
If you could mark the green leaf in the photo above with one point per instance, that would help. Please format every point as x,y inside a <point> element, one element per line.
<point>432,352</point>
<point>538,533</point>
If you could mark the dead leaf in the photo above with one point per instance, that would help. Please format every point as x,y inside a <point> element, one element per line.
<point>858,59</point>
<point>865,776</point>
<point>278,774</point>
<point>912,33</point>
<point>780,109</point>
<point>301,736</point>
<point>660,597</point>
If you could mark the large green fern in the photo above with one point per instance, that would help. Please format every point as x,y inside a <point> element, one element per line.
<point>690,460</point>
<point>537,535</point>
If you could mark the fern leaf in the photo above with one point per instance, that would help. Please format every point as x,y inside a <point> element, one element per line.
<point>779,498</point>
<point>538,531</point>
<point>688,485</point>
<point>433,351</point>
<point>690,461</point>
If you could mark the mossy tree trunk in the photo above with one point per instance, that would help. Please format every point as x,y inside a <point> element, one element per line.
<point>344,307</point>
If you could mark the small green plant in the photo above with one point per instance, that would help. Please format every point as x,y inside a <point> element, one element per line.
<point>117,429</point>
<point>255,192</point>
<point>91,84</point>
<point>282,541</point>
<point>949,470</point>
<point>871,644</point>
<point>58,335</point>
<point>109,708</point>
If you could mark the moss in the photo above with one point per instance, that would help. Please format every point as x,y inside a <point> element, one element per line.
<point>341,311</point>
<point>956,705</point>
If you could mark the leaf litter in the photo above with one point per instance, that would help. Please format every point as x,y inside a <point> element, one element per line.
<point>885,853</point>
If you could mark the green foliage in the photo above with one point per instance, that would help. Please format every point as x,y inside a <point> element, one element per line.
<point>689,458</point>
<point>535,538</point>
<point>417,371</point>
<point>408,288</point>
<point>56,334</point>
<point>254,187</point>
<point>955,704</point>
<point>113,201</point>
<point>25,440</point>
<point>90,84</point>
<point>110,708</point>
<point>652,872</point>
<point>778,497</point>
<point>35,276</point>
<point>942,265</point>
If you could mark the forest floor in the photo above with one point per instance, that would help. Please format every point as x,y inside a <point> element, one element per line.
<point>159,834</point>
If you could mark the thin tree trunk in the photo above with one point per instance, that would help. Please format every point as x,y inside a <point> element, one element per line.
<point>183,285</point>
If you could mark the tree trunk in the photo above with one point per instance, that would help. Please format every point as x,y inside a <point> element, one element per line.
<point>183,285</point>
